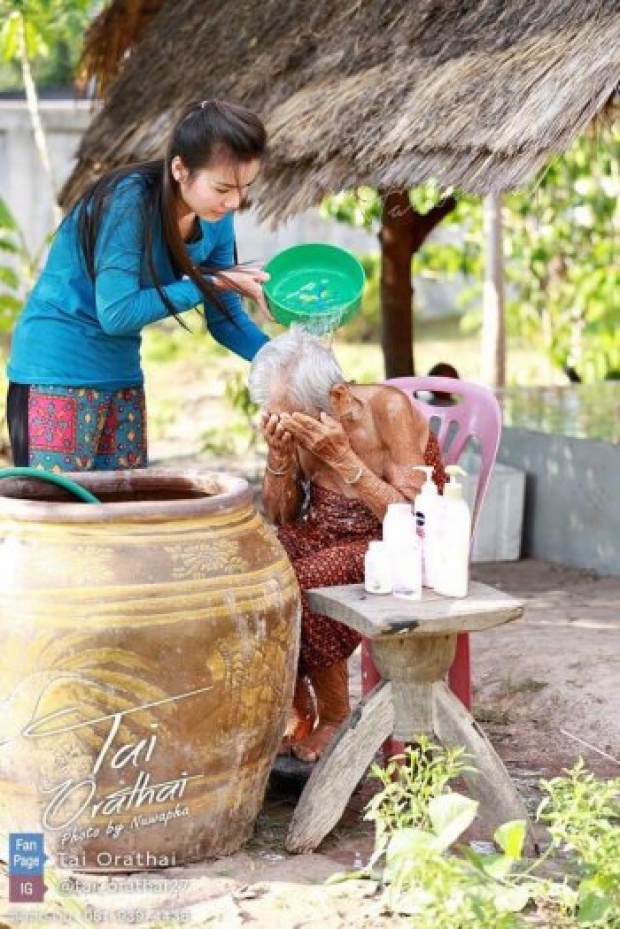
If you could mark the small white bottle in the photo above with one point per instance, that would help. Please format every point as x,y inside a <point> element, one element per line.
<point>401,539</point>
<point>451,566</point>
<point>377,569</point>
<point>425,508</point>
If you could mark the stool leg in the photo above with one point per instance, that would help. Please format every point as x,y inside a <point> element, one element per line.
<point>370,679</point>
<point>459,675</point>
<point>488,779</point>
<point>340,769</point>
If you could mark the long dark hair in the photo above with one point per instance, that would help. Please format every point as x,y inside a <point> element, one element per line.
<point>205,132</point>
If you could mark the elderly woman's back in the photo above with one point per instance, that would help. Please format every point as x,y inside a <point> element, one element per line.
<point>338,454</point>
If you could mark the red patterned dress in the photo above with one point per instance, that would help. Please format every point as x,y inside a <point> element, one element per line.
<point>327,548</point>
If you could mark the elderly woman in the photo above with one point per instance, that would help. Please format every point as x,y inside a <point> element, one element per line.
<point>338,454</point>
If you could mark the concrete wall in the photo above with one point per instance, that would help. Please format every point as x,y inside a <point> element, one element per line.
<point>23,183</point>
<point>572,505</point>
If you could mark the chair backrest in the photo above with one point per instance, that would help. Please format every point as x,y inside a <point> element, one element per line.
<point>475,413</point>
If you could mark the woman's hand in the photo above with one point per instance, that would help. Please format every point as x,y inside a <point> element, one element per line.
<point>324,437</point>
<point>279,440</point>
<point>247,280</point>
<point>404,478</point>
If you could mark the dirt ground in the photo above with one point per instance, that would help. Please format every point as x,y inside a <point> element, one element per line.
<point>546,692</point>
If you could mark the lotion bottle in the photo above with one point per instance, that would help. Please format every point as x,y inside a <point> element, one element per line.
<point>453,539</point>
<point>377,569</point>
<point>401,539</point>
<point>425,509</point>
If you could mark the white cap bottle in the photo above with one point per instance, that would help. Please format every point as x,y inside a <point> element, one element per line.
<point>451,566</point>
<point>425,510</point>
<point>401,538</point>
<point>377,569</point>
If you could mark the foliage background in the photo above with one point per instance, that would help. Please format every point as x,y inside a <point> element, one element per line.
<point>561,239</point>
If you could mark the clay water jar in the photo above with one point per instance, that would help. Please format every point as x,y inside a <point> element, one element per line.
<point>148,653</point>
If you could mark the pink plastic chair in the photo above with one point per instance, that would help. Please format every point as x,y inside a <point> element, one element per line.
<point>474,414</point>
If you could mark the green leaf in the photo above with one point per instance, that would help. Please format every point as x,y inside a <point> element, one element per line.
<point>451,814</point>
<point>511,837</point>
<point>9,35</point>
<point>10,303</point>
<point>408,842</point>
<point>495,866</point>
<point>7,220</point>
<point>9,277</point>
<point>512,899</point>
<point>593,908</point>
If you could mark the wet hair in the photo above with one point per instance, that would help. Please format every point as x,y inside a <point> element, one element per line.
<point>206,133</point>
<point>301,364</point>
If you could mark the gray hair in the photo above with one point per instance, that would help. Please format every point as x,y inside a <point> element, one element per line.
<point>300,362</point>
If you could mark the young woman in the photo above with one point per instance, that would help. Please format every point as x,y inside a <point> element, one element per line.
<point>145,242</point>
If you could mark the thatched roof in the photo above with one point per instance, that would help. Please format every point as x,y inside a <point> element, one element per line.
<point>111,35</point>
<point>473,93</point>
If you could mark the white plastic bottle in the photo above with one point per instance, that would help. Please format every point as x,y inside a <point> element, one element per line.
<point>451,566</point>
<point>425,508</point>
<point>377,569</point>
<point>401,539</point>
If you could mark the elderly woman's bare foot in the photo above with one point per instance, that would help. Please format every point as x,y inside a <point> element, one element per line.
<point>302,716</point>
<point>312,747</point>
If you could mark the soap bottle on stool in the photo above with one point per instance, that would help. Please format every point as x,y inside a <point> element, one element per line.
<point>425,508</point>
<point>401,539</point>
<point>451,566</point>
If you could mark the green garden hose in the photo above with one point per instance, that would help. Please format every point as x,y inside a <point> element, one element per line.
<point>84,495</point>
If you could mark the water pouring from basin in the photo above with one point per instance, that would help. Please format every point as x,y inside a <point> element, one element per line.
<point>315,285</point>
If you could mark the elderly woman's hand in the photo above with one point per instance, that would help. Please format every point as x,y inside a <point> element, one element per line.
<point>278,438</point>
<point>323,437</point>
<point>405,479</point>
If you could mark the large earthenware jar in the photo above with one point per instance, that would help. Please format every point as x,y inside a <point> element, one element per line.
<point>148,647</point>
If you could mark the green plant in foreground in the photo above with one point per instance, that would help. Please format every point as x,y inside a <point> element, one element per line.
<point>418,818</point>
<point>427,875</point>
<point>582,813</point>
<point>410,782</point>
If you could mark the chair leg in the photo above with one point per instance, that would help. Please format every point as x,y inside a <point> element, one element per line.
<point>459,675</point>
<point>370,675</point>
<point>370,679</point>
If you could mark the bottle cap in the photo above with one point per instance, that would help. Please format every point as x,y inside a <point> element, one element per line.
<point>454,488</point>
<point>429,486</point>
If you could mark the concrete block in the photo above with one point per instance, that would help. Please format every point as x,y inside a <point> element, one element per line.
<point>500,525</point>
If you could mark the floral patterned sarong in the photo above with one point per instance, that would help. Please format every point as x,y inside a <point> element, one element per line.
<point>326,548</point>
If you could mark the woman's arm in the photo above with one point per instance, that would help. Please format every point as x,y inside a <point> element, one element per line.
<point>238,333</point>
<point>405,434</point>
<point>123,306</point>
<point>403,437</point>
<point>282,491</point>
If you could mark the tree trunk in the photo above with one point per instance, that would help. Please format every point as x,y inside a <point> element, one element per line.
<point>32,99</point>
<point>403,231</point>
<point>493,322</point>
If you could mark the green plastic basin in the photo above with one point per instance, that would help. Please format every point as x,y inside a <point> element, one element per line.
<point>318,286</point>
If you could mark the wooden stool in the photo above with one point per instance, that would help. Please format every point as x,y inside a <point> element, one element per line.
<point>413,645</point>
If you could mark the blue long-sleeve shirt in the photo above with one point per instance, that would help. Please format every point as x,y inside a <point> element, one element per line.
<point>76,332</point>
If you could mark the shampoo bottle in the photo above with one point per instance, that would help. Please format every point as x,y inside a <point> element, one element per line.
<point>425,508</point>
<point>401,540</point>
<point>377,569</point>
<point>451,567</point>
